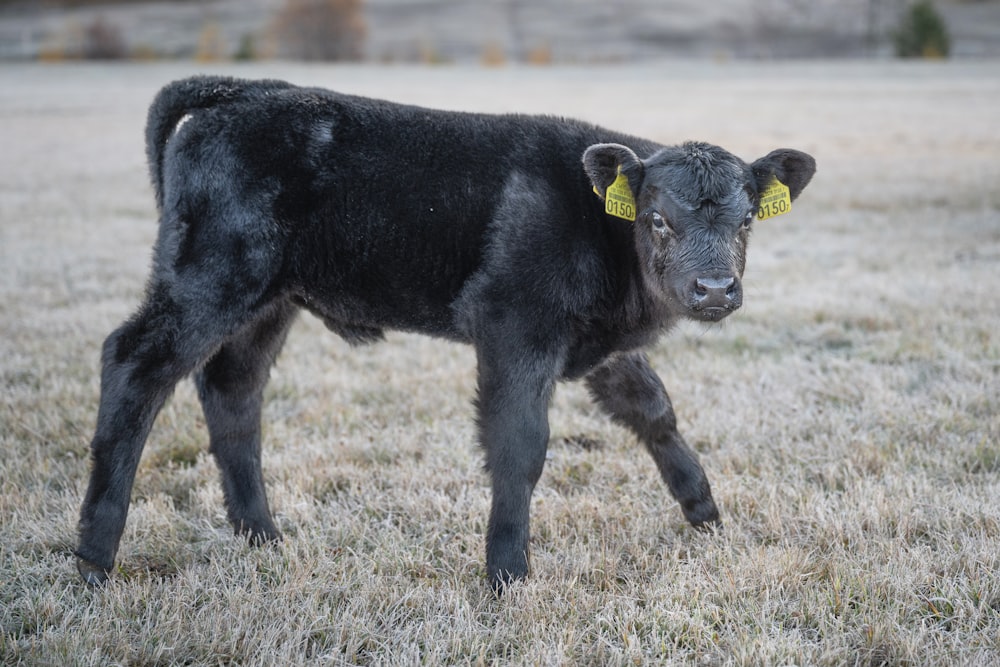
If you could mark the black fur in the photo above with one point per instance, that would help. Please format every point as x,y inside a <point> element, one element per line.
<point>477,228</point>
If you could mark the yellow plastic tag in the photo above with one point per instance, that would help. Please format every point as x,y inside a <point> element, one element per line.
<point>618,200</point>
<point>775,200</point>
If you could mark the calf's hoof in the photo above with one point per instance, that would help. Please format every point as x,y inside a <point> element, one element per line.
<point>514,567</point>
<point>714,527</point>
<point>506,554</point>
<point>258,534</point>
<point>501,581</point>
<point>92,573</point>
<point>702,514</point>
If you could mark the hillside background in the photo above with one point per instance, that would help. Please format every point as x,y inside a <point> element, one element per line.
<point>541,31</point>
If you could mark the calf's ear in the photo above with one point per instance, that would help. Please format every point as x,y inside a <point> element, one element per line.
<point>793,168</point>
<point>603,162</point>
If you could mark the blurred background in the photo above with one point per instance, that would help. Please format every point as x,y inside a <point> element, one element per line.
<point>496,32</point>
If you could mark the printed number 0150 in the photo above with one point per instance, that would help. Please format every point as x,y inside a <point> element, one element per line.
<point>773,208</point>
<point>620,208</point>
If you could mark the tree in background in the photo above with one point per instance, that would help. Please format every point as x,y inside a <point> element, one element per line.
<point>922,33</point>
<point>103,40</point>
<point>211,44</point>
<point>321,29</point>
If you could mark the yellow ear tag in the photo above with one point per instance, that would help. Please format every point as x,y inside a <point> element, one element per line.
<point>618,200</point>
<point>775,200</point>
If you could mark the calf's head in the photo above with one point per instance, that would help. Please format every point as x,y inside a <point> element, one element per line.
<point>692,207</point>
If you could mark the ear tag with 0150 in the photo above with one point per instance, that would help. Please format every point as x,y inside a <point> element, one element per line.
<point>774,200</point>
<point>618,200</point>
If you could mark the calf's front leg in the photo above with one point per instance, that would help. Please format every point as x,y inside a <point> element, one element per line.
<point>628,389</point>
<point>512,403</point>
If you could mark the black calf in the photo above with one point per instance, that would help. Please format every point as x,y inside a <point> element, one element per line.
<point>548,244</point>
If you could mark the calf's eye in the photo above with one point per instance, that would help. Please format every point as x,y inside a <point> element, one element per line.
<point>748,220</point>
<point>659,224</point>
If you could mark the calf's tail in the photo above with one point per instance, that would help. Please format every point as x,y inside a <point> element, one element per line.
<point>177,99</point>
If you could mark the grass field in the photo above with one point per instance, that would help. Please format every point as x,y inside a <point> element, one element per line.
<point>848,417</point>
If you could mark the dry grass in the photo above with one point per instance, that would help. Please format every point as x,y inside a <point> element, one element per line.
<point>849,417</point>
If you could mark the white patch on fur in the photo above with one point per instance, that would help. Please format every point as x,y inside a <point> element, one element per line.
<point>177,128</point>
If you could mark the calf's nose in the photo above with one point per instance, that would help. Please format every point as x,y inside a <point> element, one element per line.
<point>717,292</point>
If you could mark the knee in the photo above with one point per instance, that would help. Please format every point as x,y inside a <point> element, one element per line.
<point>515,449</point>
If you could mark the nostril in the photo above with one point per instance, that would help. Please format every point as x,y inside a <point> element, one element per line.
<point>733,289</point>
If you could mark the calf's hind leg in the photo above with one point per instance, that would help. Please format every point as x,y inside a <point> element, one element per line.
<point>628,389</point>
<point>143,360</point>
<point>230,387</point>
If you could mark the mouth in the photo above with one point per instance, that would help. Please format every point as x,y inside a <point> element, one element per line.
<point>710,314</point>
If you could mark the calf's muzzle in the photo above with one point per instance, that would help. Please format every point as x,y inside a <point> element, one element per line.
<point>714,297</point>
